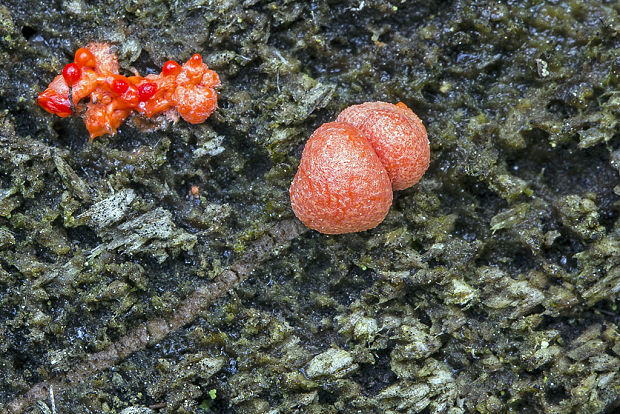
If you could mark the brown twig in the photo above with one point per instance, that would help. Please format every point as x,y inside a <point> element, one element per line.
<point>154,330</point>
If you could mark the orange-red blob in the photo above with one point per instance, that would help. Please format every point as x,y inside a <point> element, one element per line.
<point>398,137</point>
<point>55,99</point>
<point>341,185</point>
<point>195,102</point>
<point>349,168</point>
<point>84,57</point>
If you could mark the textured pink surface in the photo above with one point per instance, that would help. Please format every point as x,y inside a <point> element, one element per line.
<point>397,136</point>
<point>341,185</point>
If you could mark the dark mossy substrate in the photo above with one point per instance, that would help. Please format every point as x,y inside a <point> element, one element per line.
<point>492,285</point>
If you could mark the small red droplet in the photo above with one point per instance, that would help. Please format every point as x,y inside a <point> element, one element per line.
<point>72,73</point>
<point>146,91</point>
<point>171,68</point>
<point>196,59</point>
<point>119,86</point>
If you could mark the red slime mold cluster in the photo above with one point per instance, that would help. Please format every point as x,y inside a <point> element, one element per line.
<point>187,90</point>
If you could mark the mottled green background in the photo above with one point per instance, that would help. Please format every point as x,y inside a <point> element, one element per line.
<point>492,286</point>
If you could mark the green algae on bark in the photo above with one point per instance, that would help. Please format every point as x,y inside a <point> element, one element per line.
<point>491,286</point>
